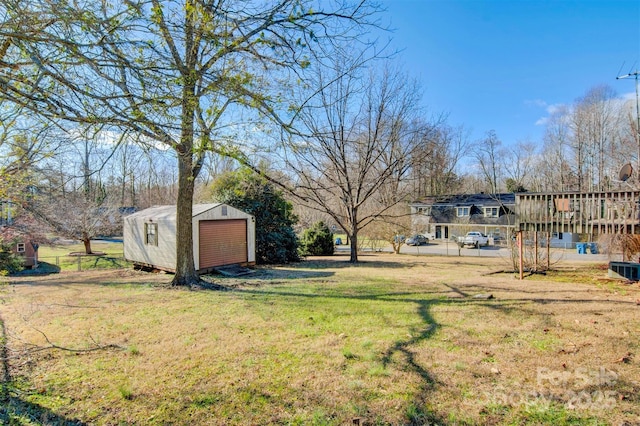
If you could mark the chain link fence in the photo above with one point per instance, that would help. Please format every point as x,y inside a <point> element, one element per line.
<point>81,262</point>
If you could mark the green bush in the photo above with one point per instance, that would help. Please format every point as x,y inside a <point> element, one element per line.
<point>276,241</point>
<point>10,262</point>
<point>317,240</point>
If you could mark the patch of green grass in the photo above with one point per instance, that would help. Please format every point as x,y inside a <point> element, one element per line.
<point>378,370</point>
<point>204,401</point>
<point>595,274</point>
<point>58,256</point>
<point>349,354</point>
<point>420,415</point>
<point>545,343</point>
<point>552,414</point>
<point>133,350</point>
<point>125,392</point>
<point>85,262</point>
<point>46,251</point>
<point>496,409</point>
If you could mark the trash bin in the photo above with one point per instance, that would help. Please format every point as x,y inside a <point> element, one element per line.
<point>581,248</point>
<point>593,248</point>
<point>338,241</point>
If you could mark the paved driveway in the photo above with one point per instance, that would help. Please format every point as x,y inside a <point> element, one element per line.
<point>448,248</point>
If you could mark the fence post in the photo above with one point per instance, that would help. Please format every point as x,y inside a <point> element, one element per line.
<point>79,263</point>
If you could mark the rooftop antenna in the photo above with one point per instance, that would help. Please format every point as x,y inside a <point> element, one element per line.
<point>625,172</point>
<point>635,76</point>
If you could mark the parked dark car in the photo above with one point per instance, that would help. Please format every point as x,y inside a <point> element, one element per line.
<point>417,240</point>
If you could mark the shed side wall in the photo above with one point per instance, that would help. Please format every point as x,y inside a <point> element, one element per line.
<point>162,256</point>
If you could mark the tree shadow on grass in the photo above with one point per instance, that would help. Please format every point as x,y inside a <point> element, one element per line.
<point>418,411</point>
<point>404,353</point>
<point>14,408</point>
<point>364,261</point>
<point>43,268</point>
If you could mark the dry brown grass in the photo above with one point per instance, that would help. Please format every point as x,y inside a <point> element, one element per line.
<point>395,340</point>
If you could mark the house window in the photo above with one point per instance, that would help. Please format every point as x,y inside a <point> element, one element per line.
<point>463,211</point>
<point>20,248</point>
<point>151,234</point>
<point>491,211</point>
<point>424,211</point>
<point>224,210</point>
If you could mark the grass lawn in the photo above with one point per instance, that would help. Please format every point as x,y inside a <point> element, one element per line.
<point>70,257</point>
<point>394,340</point>
<point>103,246</point>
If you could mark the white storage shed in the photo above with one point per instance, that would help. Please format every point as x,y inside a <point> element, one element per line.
<point>222,235</point>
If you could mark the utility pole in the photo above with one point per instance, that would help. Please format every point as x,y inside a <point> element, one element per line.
<point>635,75</point>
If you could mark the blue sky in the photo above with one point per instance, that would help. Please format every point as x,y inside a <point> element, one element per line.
<point>501,65</point>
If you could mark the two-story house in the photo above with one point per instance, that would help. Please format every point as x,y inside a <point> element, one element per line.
<point>447,216</point>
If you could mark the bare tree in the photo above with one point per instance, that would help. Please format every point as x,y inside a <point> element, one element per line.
<point>627,244</point>
<point>391,228</point>
<point>518,165</point>
<point>630,134</point>
<point>176,72</point>
<point>69,197</point>
<point>488,153</point>
<point>596,126</point>
<point>140,175</point>
<point>363,132</point>
<point>75,216</point>
<point>444,148</point>
<point>584,144</point>
<point>554,166</point>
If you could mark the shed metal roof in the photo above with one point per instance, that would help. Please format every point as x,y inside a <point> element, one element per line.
<point>169,212</point>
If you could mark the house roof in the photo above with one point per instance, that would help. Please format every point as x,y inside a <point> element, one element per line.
<point>463,200</point>
<point>169,212</point>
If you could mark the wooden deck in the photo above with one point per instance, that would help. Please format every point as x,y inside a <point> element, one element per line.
<point>591,213</point>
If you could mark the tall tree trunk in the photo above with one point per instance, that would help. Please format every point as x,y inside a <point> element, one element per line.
<point>354,234</point>
<point>186,274</point>
<point>353,258</point>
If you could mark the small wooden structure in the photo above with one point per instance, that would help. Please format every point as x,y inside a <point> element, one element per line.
<point>28,250</point>
<point>222,235</point>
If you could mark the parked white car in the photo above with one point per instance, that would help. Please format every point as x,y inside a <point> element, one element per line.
<point>473,238</point>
